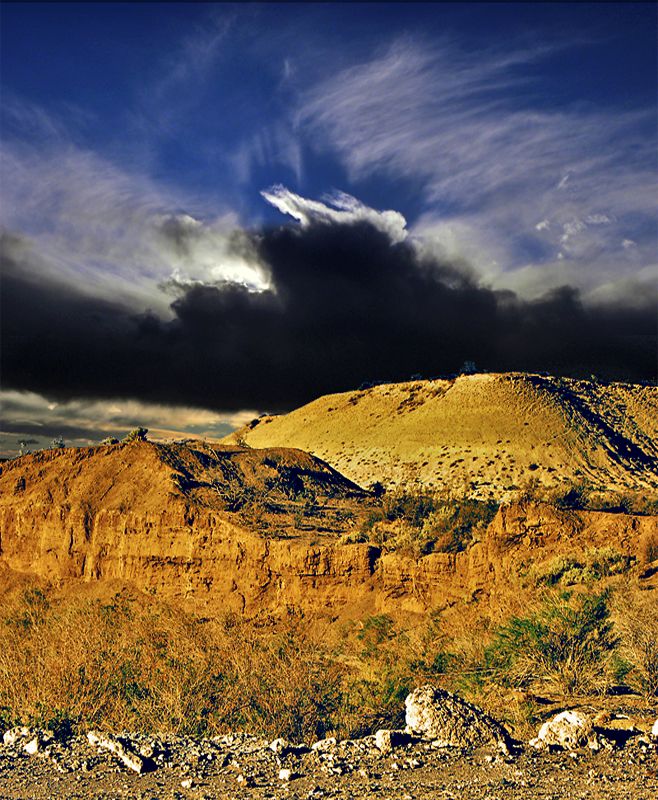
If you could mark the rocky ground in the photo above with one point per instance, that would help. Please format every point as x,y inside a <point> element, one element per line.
<point>450,751</point>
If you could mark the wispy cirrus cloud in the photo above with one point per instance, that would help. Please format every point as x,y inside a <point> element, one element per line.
<point>508,179</point>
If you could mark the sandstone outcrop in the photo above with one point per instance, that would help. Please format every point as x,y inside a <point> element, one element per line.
<point>250,531</point>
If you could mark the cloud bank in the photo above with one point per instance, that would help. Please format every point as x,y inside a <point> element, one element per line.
<point>348,303</point>
<point>115,234</point>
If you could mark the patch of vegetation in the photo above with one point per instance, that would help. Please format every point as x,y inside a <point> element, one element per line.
<point>567,644</point>
<point>636,621</point>
<point>581,496</point>
<point>139,664</point>
<point>422,522</point>
<point>592,565</point>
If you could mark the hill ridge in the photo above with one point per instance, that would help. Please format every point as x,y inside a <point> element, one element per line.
<point>487,432</point>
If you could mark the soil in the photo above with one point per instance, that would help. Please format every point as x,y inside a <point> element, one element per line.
<point>240,766</point>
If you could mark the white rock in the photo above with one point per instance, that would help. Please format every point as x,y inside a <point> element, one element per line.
<point>449,721</point>
<point>188,783</point>
<point>568,731</point>
<point>324,744</point>
<point>32,746</point>
<point>383,741</point>
<point>654,730</point>
<point>386,740</point>
<point>278,746</point>
<point>14,734</point>
<point>285,774</point>
<point>128,758</point>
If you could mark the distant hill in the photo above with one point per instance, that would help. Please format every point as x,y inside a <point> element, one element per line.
<point>485,434</point>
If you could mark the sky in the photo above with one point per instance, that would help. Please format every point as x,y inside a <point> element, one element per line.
<point>212,211</point>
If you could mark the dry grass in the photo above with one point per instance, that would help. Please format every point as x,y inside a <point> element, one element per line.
<point>138,664</point>
<point>636,619</point>
<point>134,663</point>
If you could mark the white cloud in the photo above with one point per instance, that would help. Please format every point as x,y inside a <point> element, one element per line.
<point>563,181</point>
<point>346,209</point>
<point>115,234</point>
<point>273,144</point>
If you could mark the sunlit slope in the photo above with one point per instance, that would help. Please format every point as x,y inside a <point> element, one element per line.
<point>486,433</point>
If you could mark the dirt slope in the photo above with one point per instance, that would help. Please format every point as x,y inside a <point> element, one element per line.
<point>486,434</point>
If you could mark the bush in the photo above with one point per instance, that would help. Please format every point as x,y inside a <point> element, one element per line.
<point>567,644</point>
<point>134,663</point>
<point>419,523</point>
<point>412,507</point>
<point>574,498</point>
<point>454,523</point>
<point>136,435</point>
<point>593,565</point>
<point>141,665</point>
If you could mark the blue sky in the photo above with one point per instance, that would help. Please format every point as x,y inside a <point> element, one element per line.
<point>518,140</point>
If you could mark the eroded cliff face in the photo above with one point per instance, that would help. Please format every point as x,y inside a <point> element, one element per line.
<point>57,522</point>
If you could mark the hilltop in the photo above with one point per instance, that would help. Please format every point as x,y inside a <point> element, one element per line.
<point>485,435</point>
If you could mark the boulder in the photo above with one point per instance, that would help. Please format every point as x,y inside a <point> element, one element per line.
<point>569,730</point>
<point>386,740</point>
<point>14,734</point>
<point>450,721</point>
<point>279,746</point>
<point>324,745</point>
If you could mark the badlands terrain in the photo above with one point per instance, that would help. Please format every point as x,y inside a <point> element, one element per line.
<point>190,603</point>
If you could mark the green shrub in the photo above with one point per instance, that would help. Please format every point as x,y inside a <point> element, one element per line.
<point>419,523</point>
<point>412,507</point>
<point>454,523</point>
<point>568,644</point>
<point>575,497</point>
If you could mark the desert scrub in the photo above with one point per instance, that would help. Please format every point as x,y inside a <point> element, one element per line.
<point>455,522</point>
<point>138,664</point>
<point>136,435</point>
<point>592,565</point>
<point>419,523</point>
<point>567,645</point>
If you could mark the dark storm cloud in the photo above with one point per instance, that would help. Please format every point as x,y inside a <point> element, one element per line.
<point>349,306</point>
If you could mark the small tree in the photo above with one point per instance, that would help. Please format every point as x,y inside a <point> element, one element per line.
<point>57,442</point>
<point>136,435</point>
